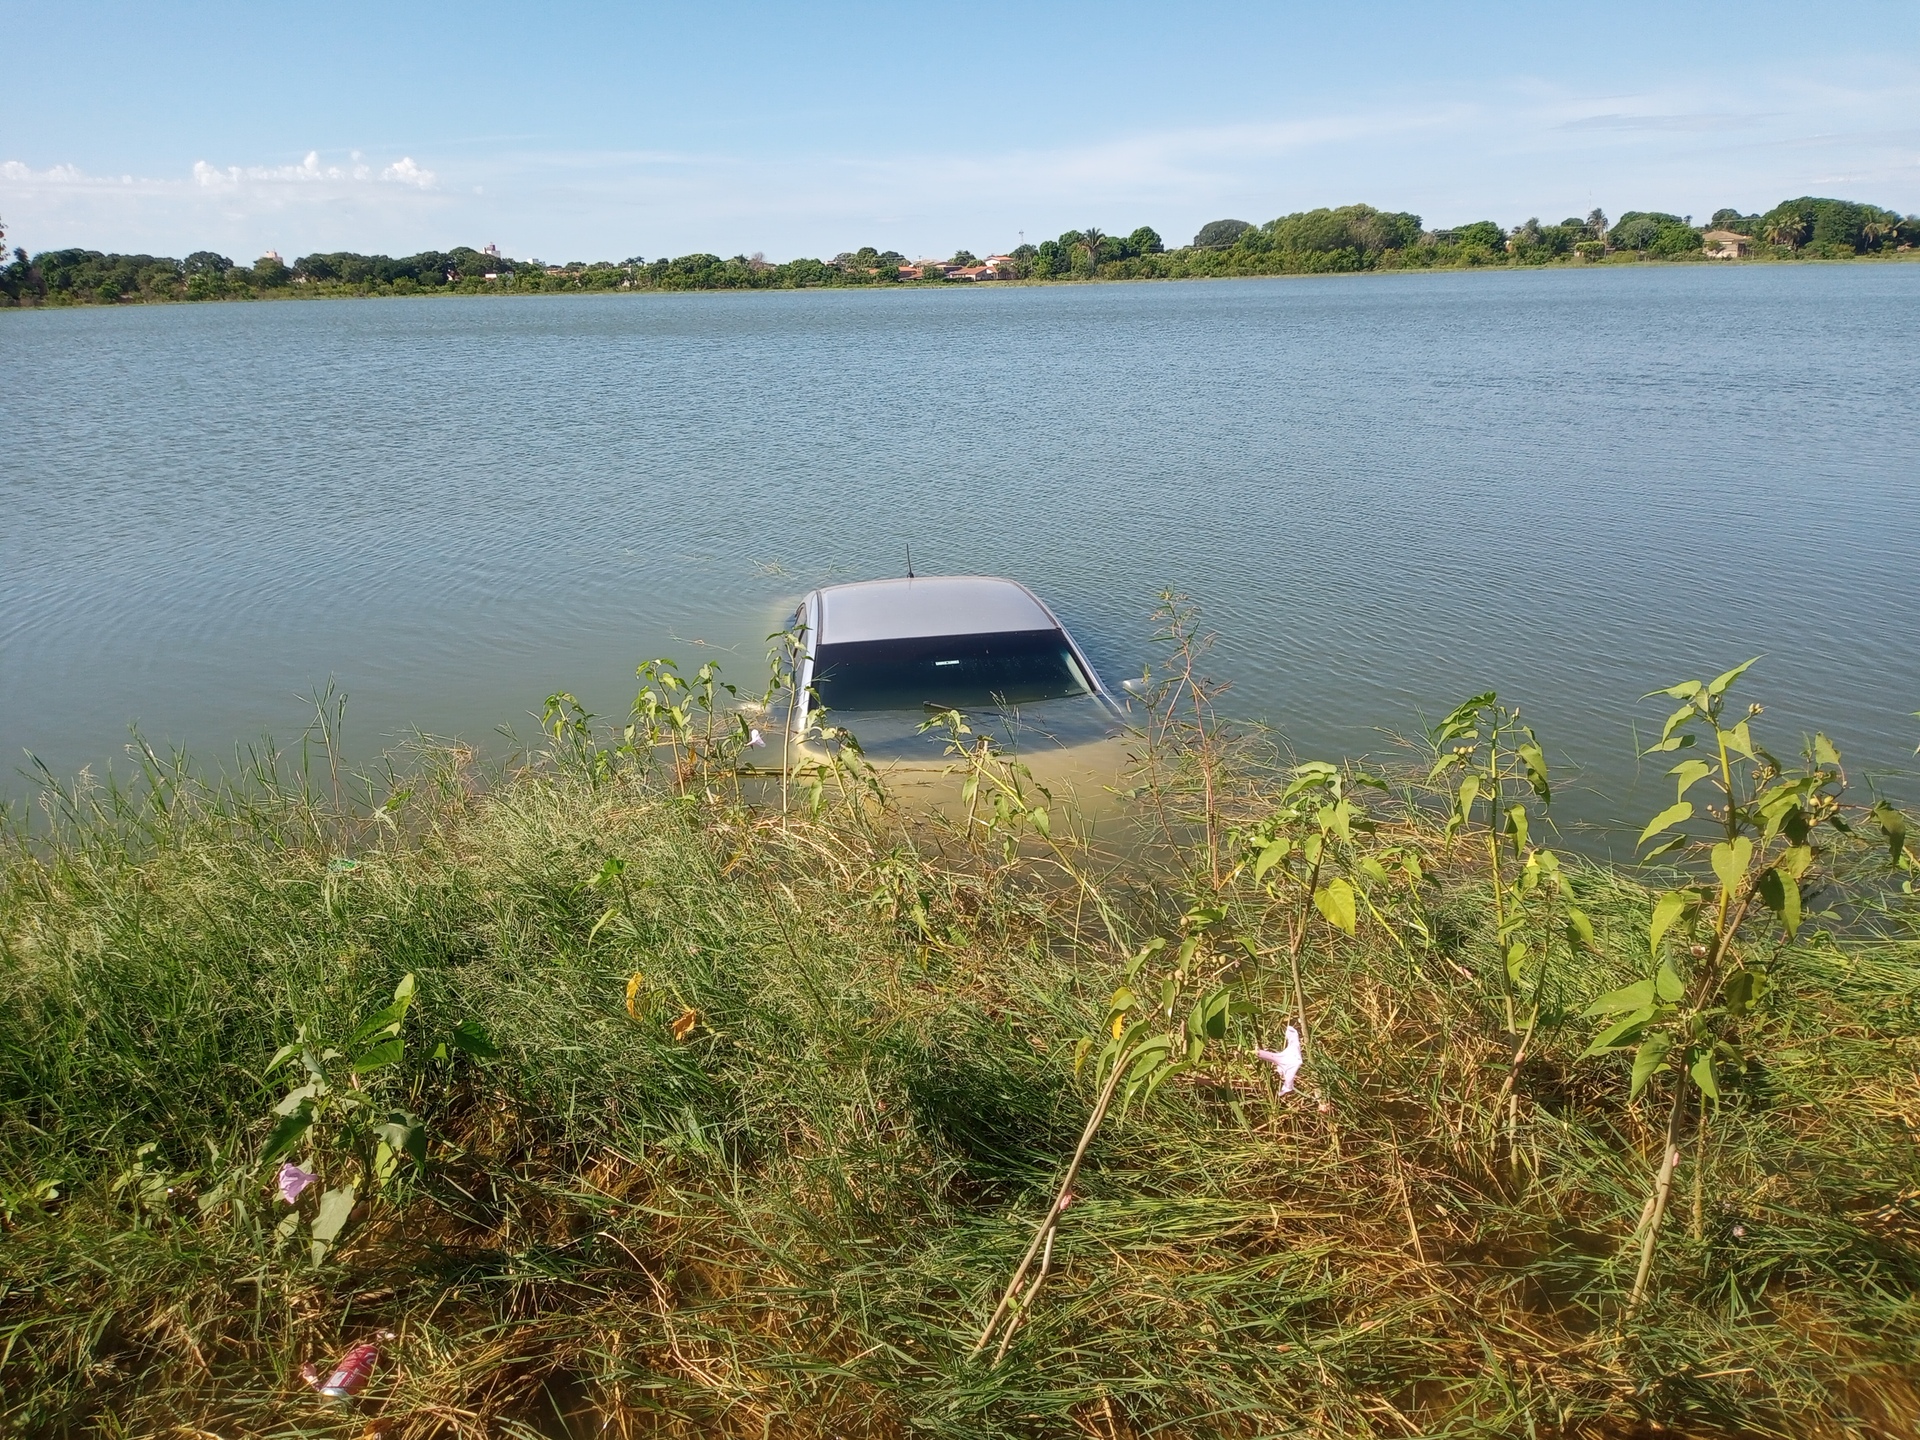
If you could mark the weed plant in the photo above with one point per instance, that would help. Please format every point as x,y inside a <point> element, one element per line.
<point>643,1108</point>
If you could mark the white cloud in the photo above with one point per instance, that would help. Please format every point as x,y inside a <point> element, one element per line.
<point>246,209</point>
<point>309,170</point>
<point>406,172</point>
<point>15,173</point>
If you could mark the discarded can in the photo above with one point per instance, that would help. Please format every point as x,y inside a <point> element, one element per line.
<point>349,1377</point>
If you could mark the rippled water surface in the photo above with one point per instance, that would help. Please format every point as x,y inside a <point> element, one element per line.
<point>1387,491</point>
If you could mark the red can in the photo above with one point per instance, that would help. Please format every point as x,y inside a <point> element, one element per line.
<point>349,1377</point>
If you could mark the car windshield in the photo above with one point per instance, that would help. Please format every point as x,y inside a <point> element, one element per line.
<point>1015,667</point>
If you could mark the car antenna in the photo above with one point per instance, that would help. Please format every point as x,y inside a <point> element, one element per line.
<point>910,562</point>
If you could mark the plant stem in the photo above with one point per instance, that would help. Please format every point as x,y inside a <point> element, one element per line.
<point>1299,939</point>
<point>1662,1189</point>
<point>1494,796</point>
<point>1045,1232</point>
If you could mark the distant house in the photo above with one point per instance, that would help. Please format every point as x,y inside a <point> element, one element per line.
<point>1727,245</point>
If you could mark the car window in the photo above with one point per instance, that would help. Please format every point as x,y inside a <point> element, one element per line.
<point>1016,667</point>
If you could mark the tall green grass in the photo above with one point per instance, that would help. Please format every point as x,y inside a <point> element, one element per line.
<point>774,1184</point>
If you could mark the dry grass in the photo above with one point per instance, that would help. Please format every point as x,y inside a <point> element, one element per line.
<point>793,1222</point>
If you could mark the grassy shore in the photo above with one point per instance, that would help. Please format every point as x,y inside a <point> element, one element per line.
<point>715,1118</point>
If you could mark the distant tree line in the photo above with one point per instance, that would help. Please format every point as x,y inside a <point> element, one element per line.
<point>1347,238</point>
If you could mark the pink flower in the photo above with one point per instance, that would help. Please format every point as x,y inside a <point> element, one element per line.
<point>293,1181</point>
<point>755,740</point>
<point>1286,1063</point>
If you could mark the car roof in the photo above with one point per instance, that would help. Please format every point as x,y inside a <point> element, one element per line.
<point>926,605</point>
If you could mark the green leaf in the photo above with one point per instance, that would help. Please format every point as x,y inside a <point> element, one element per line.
<point>382,1022</point>
<point>1465,719</point>
<point>1730,861</point>
<point>1675,720</point>
<point>1687,774</point>
<point>1536,763</point>
<point>1140,956</point>
<point>1208,1019</point>
<point>1653,1050</point>
<point>1123,1000</point>
<point>1516,960</point>
<point>385,1053</point>
<point>280,1057</point>
<point>1685,690</point>
<point>1469,792</point>
<point>336,1208</point>
<point>1718,685</point>
<point>1893,825</point>
<point>471,1039</point>
<point>1623,1031</point>
<point>1702,1072</point>
<point>1742,990</point>
<point>1517,825</point>
<point>406,1134</point>
<point>1666,984</point>
<point>1579,928</point>
<point>1636,996</point>
<point>286,1134</point>
<point>1780,893</point>
<point>1667,909</point>
<point>1334,900</point>
<point>1038,818</point>
<point>1271,856</point>
<point>1673,815</point>
<point>1823,751</point>
<point>1151,1055</point>
<point>1739,739</point>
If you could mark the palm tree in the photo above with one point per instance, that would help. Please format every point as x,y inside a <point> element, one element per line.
<point>1789,230</point>
<point>1877,229</point>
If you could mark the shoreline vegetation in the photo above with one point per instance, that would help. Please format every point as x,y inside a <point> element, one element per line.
<point>602,1096</point>
<point>1330,241</point>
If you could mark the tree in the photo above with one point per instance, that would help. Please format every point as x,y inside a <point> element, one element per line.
<point>964,257</point>
<point>1220,234</point>
<point>1653,230</point>
<point>1483,233</point>
<point>1787,230</point>
<point>205,262</point>
<point>1090,239</point>
<point>1145,241</point>
<point>270,272</point>
<point>1597,223</point>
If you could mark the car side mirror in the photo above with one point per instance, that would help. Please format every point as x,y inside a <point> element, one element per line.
<point>1135,686</point>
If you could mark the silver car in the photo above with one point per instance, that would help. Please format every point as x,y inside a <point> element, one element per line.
<point>881,657</point>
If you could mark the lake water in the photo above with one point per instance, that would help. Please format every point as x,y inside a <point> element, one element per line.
<point>1386,491</point>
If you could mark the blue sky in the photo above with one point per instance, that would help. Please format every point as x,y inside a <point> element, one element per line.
<point>603,130</point>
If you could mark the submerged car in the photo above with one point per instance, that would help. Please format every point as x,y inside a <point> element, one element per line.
<point>882,657</point>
